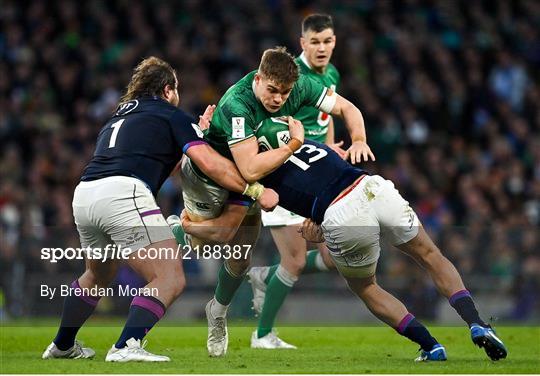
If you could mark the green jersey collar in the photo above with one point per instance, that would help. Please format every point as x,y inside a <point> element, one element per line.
<point>304,60</point>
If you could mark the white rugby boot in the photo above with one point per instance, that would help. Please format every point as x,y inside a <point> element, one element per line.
<point>134,352</point>
<point>76,352</point>
<point>269,341</point>
<point>218,336</point>
<point>256,277</point>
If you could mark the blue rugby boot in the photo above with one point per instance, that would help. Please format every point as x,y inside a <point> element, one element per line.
<point>437,353</point>
<point>485,337</point>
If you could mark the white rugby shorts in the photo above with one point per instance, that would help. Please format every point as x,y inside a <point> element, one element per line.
<point>119,210</point>
<point>354,225</point>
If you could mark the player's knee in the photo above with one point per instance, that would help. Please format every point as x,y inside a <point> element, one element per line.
<point>328,261</point>
<point>239,266</point>
<point>101,277</point>
<point>296,265</point>
<point>178,285</point>
<point>361,286</point>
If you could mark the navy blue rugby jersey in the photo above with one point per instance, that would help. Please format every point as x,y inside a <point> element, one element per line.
<point>145,139</point>
<point>311,179</point>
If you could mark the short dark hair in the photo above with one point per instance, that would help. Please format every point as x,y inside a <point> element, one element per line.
<point>278,65</point>
<point>317,23</point>
<point>150,78</point>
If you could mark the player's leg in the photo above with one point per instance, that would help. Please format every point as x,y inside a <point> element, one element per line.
<point>128,213</point>
<point>402,228</point>
<point>165,282</point>
<point>390,310</point>
<point>160,265</point>
<point>322,261</point>
<point>230,277</point>
<point>316,260</point>
<point>352,232</point>
<point>449,283</point>
<point>292,249</point>
<point>78,307</point>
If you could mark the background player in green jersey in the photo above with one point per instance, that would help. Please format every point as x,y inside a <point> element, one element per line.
<point>271,284</point>
<point>275,90</point>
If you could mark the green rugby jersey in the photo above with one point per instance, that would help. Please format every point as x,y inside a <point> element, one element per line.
<point>239,112</point>
<point>316,122</point>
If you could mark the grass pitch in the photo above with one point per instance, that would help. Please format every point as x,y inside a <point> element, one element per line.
<point>321,350</point>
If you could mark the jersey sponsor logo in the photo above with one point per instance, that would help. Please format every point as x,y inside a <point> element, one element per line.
<point>197,130</point>
<point>238,130</point>
<point>283,137</point>
<point>127,107</point>
<point>316,132</point>
<point>264,145</point>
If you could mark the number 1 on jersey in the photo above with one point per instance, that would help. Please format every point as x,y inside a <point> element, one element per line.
<point>116,127</point>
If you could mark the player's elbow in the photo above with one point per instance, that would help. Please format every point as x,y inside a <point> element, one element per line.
<point>250,176</point>
<point>250,179</point>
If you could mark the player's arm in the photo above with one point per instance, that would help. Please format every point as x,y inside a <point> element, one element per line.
<point>189,136</point>
<point>330,133</point>
<point>327,100</point>
<point>224,172</point>
<point>330,140</point>
<point>311,231</point>
<point>221,229</point>
<point>354,121</point>
<point>216,167</point>
<point>254,165</point>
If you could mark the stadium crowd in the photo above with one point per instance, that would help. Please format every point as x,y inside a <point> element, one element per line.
<point>449,91</point>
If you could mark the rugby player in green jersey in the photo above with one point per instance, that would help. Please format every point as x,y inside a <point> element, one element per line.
<point>271,284</point>
<point>276,89</point>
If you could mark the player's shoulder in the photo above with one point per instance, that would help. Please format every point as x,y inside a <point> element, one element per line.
<point>180,117</point>
<point>148,105</point>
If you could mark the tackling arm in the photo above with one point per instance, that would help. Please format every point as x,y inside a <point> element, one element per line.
<point>218,168</point>
<point>221,229</point>
<point>224,172</point>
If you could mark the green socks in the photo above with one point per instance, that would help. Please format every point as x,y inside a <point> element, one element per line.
<point>228,283</point>
<point>314,264</point>
<point>277,290</point>
<point>271,271</point>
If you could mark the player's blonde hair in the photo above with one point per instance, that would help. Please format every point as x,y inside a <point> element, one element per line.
<point>150,78</point>
<point>279,66</point>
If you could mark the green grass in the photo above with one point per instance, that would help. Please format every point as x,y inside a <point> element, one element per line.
<point>321,350</point>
